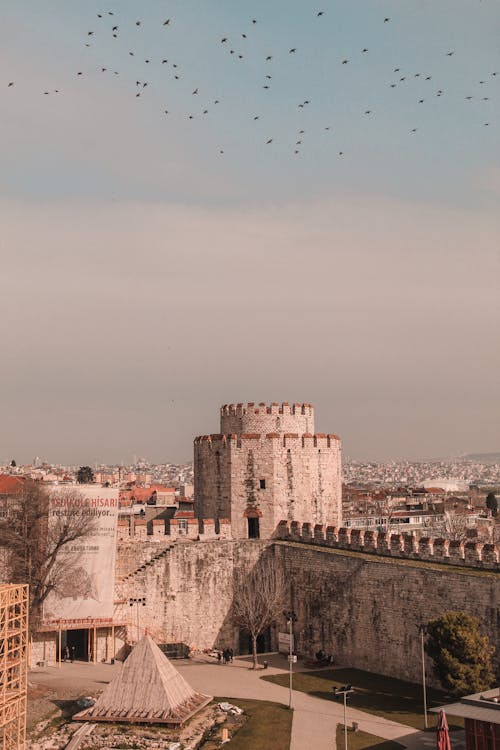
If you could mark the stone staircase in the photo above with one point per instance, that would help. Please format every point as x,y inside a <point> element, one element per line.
<point>148,563</point>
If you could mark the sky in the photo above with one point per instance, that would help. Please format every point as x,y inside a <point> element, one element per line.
<point>167,253</point>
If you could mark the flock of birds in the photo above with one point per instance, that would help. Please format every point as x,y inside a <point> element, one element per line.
<point>235,48</point>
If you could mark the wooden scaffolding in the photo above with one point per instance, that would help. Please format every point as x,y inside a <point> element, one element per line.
<point>13,665</point>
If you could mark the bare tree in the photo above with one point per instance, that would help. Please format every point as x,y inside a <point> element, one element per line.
<point>36,545</point>
<point>450,525</point>
<point>259,598</point>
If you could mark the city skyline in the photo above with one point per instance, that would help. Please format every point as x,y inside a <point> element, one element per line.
<point>147,278</point>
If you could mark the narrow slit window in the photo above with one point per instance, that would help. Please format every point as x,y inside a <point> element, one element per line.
<point>262,484</point>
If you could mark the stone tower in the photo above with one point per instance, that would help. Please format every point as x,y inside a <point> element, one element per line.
<point>267,465</point>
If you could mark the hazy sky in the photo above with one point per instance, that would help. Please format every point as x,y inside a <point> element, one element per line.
<point>147,278</point>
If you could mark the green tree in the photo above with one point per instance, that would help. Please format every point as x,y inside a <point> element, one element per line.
<point>84,475</point>
<point>492,503</point>
<point>461,655</point>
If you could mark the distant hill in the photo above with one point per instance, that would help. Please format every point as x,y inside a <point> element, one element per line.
<point>487,458</point>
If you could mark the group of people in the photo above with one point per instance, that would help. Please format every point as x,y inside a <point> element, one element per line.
<point>324,658</point>
<point>225,656</point>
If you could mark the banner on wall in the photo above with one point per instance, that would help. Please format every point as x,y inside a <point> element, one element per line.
<point>85,571</point>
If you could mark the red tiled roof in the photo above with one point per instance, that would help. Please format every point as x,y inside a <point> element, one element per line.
<point>10,484</point>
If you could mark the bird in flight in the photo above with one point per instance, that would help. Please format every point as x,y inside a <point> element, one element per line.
<point>344,62</point>
<point>450,53</point>
<point>386,20</point>
<point>223,40</point>
<point>269,57</point>
<point>195,91</point>
<point>270,140</point>
<point>10,84</point>
<point>137,23</point>
<point>291,51</point>
<point>167,22</point>
<point>254,20</point>
<point>364,50</point>
<point>320,13</point>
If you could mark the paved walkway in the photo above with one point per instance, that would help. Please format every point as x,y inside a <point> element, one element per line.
<point>314,719</point>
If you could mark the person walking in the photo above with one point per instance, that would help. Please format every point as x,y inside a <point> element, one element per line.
<point>66,654</point>
<point>73,650</point>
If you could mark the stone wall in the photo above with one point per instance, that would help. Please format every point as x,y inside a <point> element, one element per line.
<point>238,419</point>
<point>188,588</point>
<point>270,476</point>
<point>365,609</point>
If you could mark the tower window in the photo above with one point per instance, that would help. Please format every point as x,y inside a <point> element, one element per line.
<point>262,484</point>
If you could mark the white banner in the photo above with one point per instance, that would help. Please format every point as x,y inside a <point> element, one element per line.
<point>284,643</point>
<point>85,588</point>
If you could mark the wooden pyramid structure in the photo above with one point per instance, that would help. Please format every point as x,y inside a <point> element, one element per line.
<point>148,689</point>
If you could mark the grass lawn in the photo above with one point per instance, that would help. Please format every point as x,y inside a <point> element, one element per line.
<point>364,741</point>
<point>268,727</point>
<point>384,696</point>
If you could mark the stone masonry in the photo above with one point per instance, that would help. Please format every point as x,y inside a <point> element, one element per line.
<point>360,602</point>
<point>267,464</point>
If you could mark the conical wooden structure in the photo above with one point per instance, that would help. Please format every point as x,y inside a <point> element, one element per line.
<point>148,689</point>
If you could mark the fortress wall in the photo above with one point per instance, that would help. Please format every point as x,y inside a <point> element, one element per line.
<point>365,609</point>
<point>362,607</point>
<point>188,590</point>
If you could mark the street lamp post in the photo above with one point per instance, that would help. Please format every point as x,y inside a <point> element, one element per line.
<point>291,617</point>
<point>137,601</point>
<point>423,632</point>
<point>345,690</point>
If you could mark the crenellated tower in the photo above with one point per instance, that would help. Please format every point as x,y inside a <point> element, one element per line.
<point>267,465</point>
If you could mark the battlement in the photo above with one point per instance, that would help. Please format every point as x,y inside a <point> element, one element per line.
<point>405,546</point>
<point>263,418</point>
<point>262,408</point>
<point>160,530</point>
<point>282,439</point>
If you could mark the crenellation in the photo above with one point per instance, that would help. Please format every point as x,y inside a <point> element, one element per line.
<point>357,539</point>
<point>441,548</point>
<point>393,545</point>
<point>425,547</point>
<point>332,535</point>
<point>344,538</point>
<point>370,541</point>
<point>319,533</point>
<point>396,544</point>
<point>456,551</point>
<point>306,532</point>
<point>383,543</point>
<point>410,545</point>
